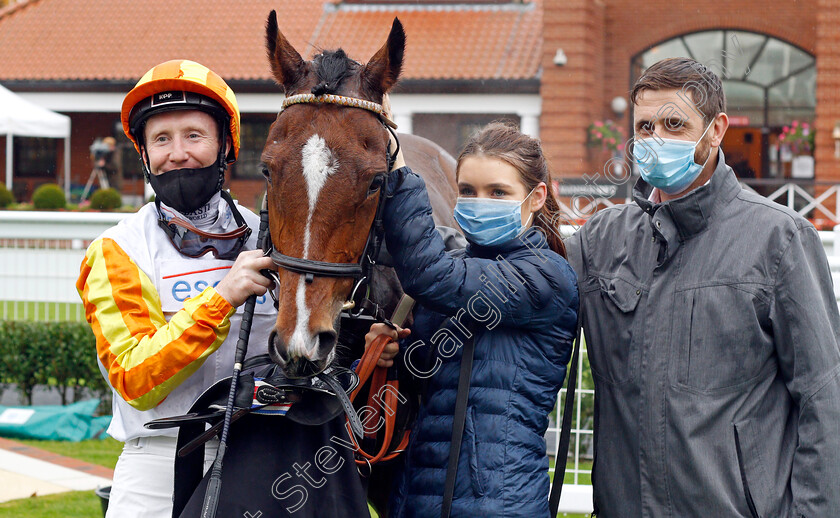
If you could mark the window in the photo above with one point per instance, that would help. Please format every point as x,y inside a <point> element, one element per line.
<point>253,134</point>
<point>127,159</point>
<point>766,80</point>
<point>35,157</point>
<point>452,130</point>
<point>768,84</point>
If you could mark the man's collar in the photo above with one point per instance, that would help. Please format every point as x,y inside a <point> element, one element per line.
<point>691,212</point>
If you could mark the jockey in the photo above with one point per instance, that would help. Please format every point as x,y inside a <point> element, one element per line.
<point>162,288</point>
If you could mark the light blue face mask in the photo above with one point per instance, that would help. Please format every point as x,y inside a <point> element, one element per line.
<point>668,164</point>
<point>489,222</point>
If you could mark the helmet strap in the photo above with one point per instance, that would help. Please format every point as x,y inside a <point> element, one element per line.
<point>223,131</point>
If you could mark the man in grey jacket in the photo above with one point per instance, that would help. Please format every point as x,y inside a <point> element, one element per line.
<point>712,329</point>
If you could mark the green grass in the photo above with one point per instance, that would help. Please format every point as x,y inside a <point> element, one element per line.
<point>41,311</point>
<point>103,452</point>
<point>584,479</point>
<point>76,504</point>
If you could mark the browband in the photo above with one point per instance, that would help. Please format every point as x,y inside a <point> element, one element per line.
<point>340,100</point>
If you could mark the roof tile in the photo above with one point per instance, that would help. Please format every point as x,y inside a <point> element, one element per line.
<point>121,39</point>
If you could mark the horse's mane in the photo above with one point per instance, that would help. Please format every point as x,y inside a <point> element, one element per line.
<point>333,66</point>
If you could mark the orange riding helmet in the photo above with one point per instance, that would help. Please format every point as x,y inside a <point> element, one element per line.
<point>181,85</point>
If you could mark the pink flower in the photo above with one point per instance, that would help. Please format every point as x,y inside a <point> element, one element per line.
<point>785,129</point>
<point>599,134</point>
<point>805,126</point>
<point>621,147</point>
<point>795,123</point>
<point>782,137</point>
<point>610,141</point>
<point>598,124</point>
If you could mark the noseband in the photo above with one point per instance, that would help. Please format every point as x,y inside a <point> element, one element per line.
<point>362,270</point>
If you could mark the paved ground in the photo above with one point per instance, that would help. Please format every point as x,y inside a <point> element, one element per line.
<point>26,471</point>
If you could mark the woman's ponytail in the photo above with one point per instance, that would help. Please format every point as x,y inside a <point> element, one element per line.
<point>504,141</point>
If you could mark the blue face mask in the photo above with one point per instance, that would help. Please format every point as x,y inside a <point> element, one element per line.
<point>489,222</point>
<point>669,165</point>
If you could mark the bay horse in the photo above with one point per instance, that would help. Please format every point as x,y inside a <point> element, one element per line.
<point>325,159</point>
<point>325,163</point>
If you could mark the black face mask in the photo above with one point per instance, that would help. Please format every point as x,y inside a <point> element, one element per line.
<point>185,190</point>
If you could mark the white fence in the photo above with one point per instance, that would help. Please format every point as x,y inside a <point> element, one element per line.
<point>40,255</point>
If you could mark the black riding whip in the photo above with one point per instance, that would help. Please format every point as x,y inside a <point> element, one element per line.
<point>214,485</point>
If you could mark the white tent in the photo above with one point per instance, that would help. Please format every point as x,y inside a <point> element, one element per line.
<point>21,118</point>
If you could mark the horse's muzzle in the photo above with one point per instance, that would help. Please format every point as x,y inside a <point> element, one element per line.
<point>300,362</point>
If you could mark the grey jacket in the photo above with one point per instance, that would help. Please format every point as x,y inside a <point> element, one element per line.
<point>712,331</point>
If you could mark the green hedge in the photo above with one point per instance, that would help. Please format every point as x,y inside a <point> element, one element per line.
<point>106,199</point>
<point>58,354</point>
<point>6,197</point>
<point>49,196</point>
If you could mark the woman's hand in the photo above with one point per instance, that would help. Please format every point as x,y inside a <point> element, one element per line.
<point>392,145</point>
<point>391,349</point>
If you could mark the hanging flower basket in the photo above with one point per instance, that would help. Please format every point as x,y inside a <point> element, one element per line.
<point>605,136</point>
<point>799,138</point>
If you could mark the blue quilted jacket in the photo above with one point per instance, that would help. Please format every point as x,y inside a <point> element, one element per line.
<point>521,300</point>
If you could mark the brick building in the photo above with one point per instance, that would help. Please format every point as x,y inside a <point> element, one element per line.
<point>779,61</point>
<point>552,66</point>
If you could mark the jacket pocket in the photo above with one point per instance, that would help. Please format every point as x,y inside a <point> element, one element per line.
<point>471,444</point>
<point>609,307</point>
<point>722,344</point>
<point>751,469</point>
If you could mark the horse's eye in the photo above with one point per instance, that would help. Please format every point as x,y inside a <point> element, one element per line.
<point>376,183</point>
<point>265,172</point>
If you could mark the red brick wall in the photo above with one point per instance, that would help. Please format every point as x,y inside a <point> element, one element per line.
<point>828,88</point>
<point>572,94</point>
<point>600,37</point>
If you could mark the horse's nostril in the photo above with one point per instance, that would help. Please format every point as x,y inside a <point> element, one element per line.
<point>277,347</point>
<point>326,340</point>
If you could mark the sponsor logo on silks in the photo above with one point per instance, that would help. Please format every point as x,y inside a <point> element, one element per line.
<point>180,281</point>
<point>258,404</point>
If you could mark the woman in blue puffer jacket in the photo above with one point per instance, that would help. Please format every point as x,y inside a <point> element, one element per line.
<point>513,289</point>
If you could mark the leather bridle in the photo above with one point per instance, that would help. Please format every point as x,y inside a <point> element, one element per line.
<point>362,270</point>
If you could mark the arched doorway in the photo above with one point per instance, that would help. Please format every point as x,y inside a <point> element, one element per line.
<point>769,84</point>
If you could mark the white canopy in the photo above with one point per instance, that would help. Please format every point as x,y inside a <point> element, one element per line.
<point>21,118</point>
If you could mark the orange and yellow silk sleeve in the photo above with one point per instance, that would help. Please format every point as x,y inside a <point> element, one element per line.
<point>145,357</point>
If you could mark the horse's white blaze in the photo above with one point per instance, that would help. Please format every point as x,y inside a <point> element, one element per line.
<point>318,164</point>
<point>299,344</point>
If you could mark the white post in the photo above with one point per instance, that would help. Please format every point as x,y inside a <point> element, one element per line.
<point>530,125</point>
<point>67,167</point>
<point>837,241</point>
<point>9,148</point>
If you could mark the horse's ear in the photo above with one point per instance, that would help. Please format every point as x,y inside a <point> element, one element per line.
<point>286,64</point>
<point>383,70</point>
